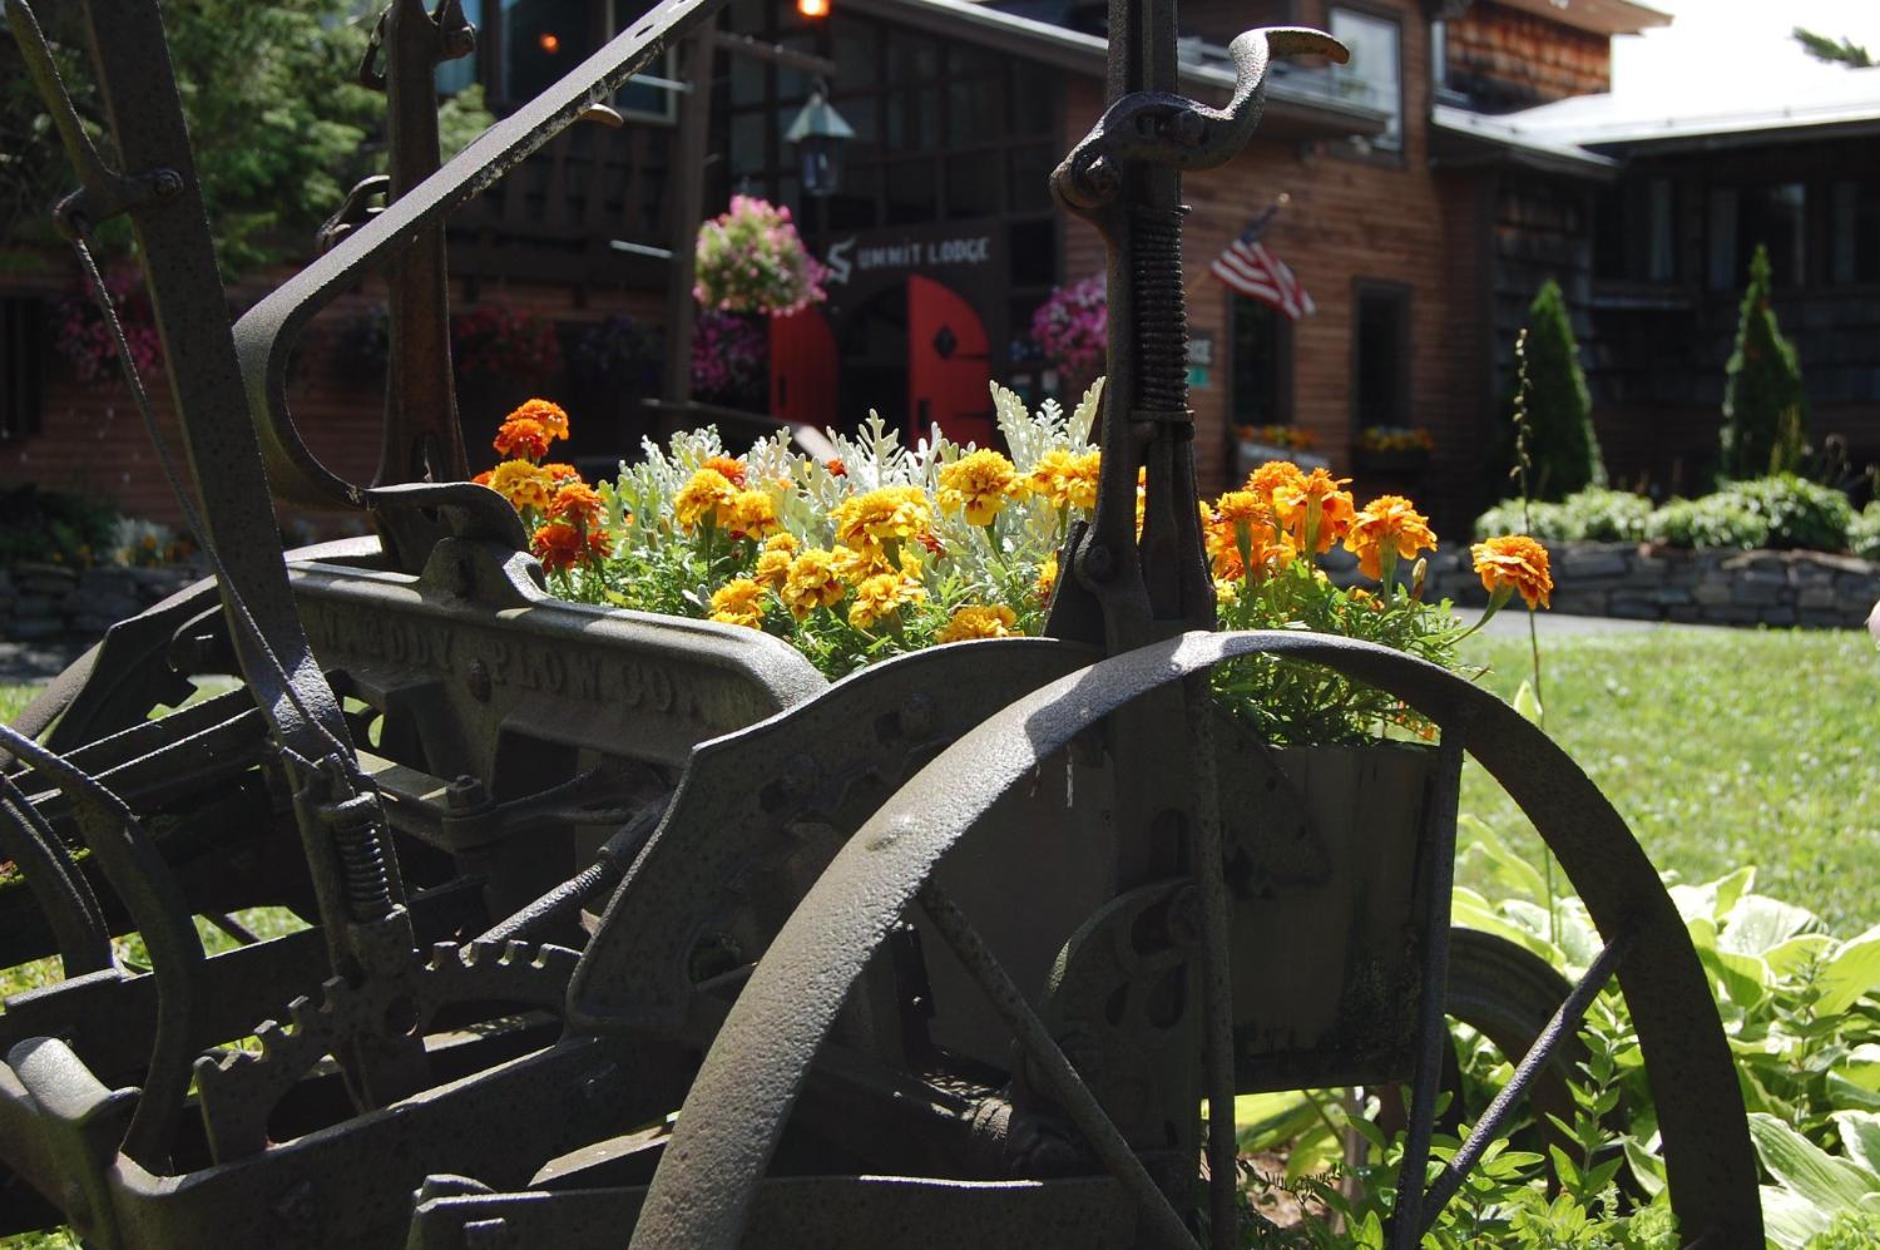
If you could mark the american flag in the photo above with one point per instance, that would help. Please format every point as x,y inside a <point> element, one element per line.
<point>1249,267</point>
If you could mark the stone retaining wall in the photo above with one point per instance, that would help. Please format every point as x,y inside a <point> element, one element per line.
<point>50,601</point>
<point>1715,587</point>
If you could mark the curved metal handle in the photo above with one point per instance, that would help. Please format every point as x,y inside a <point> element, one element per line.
<point>1178,132</point>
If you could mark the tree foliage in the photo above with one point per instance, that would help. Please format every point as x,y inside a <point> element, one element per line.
<point>1842,51</point>
<point>1764,405</point>
<point>1564,448</point>
<point>271,92</point>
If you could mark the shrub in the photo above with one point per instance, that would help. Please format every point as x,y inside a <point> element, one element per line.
<point>1863,532</point>
<point>1764,406</point>
<point>1564,449</point>
<point>1800,513</point>
<point>1713,521</point>
<point>51,525</point>
<point>1595,514</point>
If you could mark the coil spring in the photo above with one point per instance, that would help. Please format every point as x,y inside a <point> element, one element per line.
<point>1161,309</point>
<point>359,838</point>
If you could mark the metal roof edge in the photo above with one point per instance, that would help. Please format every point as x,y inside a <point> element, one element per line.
<point>1552,155</point>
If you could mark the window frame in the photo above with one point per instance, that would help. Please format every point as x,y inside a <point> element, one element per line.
<point>1375,148</point>
<point>1284,353</point>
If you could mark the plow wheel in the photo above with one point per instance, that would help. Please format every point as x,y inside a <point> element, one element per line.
<point>703,1194</point>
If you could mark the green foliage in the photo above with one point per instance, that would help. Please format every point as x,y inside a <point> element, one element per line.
<point>1595,514</point>
<point>1863,532</point>
<point>44,525</point>
<point>1293,704</point>
<point>272,97</point>
<point>1564,449</point>
<point>1782,511</point>
<point>1765,410</point>
<point>1842,51</point>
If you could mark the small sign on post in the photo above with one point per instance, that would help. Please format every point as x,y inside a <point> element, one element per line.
<point>1200,360</point>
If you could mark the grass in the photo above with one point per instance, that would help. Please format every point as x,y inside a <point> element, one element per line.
<point>1720,749</point>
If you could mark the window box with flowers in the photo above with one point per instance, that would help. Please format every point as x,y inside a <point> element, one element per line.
<point>1395,451</point>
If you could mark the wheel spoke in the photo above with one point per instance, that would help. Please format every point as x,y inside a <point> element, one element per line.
<point>1564,1024</point>
<point>1067,1086</point>
<point>1217,976</point>
<point>1432,1025</point>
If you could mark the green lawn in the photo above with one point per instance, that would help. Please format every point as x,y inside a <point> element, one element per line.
<point>1721,749</point>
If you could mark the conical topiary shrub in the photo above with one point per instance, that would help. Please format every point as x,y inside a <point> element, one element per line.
<point>1764,405</point>
<point>1562,445</point>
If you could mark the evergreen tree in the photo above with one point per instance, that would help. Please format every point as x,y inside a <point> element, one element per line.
<point>1764,406</point>
<point>1564,449</point>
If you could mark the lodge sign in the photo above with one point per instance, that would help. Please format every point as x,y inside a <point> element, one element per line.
<point>911,253</point>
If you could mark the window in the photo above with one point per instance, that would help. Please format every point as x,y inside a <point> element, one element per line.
<point>1772,215</point>
<point>1374,76</point>
<point>1380,355</point>
<point>1260,363</point>
<point>1635,236</point>
<point>1854,232</point>
<point>542,40</point>
<point>1439,56</point>
<point>23,351</point>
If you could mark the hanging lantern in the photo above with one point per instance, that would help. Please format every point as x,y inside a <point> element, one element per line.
<point>813,8</point>
<point>820,134</point>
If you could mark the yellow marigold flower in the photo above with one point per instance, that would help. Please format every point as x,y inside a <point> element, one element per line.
<point>523,484</point>
<point>1226,591</point>
<point>731,467</point>
<point>773,568</point>
<point>981,483</point>
<point>1514,562</point>
<point>1316,511</point>
<point>1388,529</point>
<point>1047,576</point>
<point>522,438</point>
<point>739,602</point>
<point>976,621</point>
<point>550,416</point>
<point>1068,479</point>
<point>881,598</point>
<point>891,514</point>
<point>578,504</point>
<point>704,500</point>
<point>783,540</point>
<point>812,582</point>
<point>753,514</point>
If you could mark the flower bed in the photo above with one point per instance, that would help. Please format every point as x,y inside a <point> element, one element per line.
<point>887,548</point>
<point>1712,586</point>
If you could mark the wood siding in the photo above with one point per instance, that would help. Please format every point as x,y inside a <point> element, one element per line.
<point>1504,59</point>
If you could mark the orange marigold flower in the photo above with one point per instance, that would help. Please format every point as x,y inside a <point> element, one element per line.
<point>739,602</point>
<point>560,473</point>
<point>980,483</point>
<point>706,499</point>
<point>483,478</point>
<point>933,545</point>
<point>521,437</point>
<point>977,621</point>
<point>812,582</point>
<point>1316,511</point>
<point>557,545</point>
<point>836,467</point>
<point>523,484</point>
<point>1388,528</point>
<point>578,504</point>
<point>1266,480</point>
<point>733,468</point>
<point>550,416</point>
<point>1514,562</point>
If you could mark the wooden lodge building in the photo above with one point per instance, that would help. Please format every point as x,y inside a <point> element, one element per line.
<point>1429,187</point>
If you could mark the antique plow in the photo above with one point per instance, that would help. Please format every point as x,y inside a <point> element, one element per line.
<point>949,953</point>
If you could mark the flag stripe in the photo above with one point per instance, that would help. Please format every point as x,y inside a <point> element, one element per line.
<point>1249,267</point>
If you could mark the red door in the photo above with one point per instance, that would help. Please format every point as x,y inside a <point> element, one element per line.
<point>803,369</point>
<point>949,365</point>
